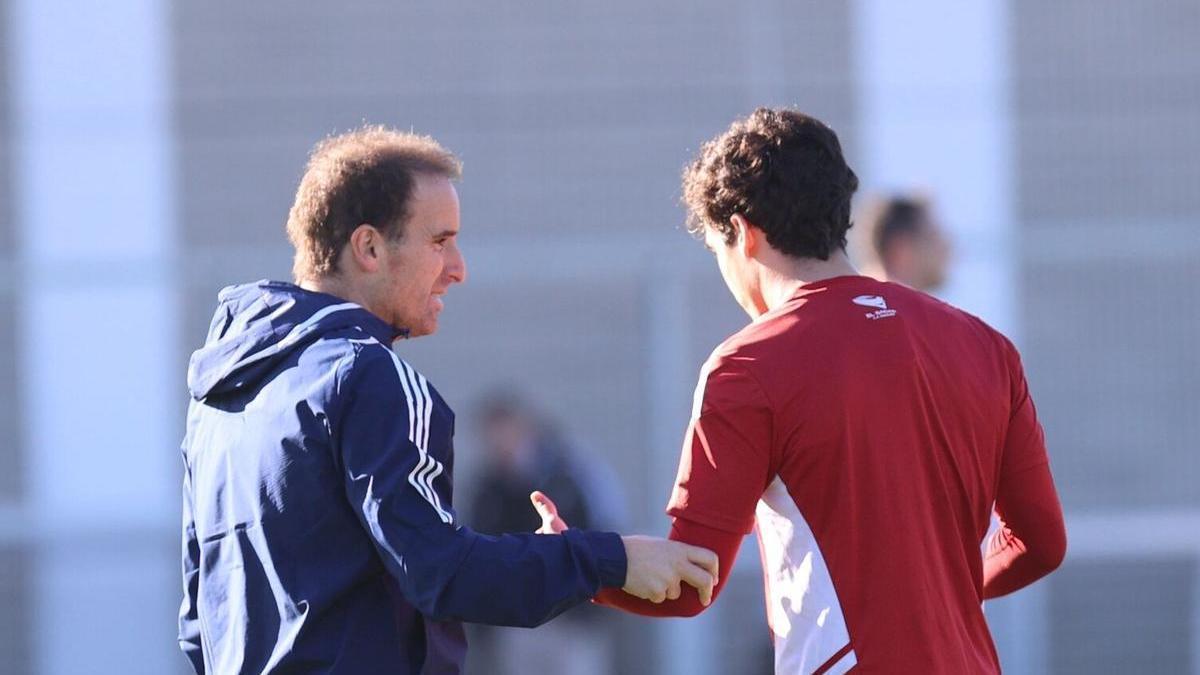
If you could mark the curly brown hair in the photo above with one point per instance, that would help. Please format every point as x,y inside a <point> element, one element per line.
<point>365,176</point>
<point>784,172</point>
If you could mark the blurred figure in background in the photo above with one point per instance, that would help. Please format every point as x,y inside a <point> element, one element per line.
<point>900,239</point>
<point>523,452</point>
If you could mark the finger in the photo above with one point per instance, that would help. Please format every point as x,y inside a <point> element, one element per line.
<point>652,592</point>
<point>546,509</point>
<point>701,580</point>
<point>543,505</point>
<point>673,591</point>
<point>706,593</point>
<point>706,559</point>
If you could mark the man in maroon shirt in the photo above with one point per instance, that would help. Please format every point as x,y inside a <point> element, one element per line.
<point>865,430</point>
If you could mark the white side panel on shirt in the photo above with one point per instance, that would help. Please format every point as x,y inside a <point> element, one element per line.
<point>802,606</point>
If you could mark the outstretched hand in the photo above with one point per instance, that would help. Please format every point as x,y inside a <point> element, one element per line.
<point>656,567</point>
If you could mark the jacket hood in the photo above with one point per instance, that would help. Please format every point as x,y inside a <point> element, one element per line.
<point>259,324</point>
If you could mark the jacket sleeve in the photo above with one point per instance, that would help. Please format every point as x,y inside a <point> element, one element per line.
<point>189,620</point>
<point>447,571</point>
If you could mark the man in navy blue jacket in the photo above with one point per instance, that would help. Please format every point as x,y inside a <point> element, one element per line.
<point>319,533</point>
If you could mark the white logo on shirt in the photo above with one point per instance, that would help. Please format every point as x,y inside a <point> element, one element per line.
<point>875,301</point>
<point>871,301</point>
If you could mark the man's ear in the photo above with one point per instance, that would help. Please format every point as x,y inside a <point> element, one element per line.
<point>365,248</point>
<point>747,235</point>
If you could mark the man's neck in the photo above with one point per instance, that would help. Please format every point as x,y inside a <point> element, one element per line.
<point>783,275</point>
<point>336,287</point>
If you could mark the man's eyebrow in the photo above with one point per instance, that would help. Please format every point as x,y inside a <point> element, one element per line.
<point>445,233</point>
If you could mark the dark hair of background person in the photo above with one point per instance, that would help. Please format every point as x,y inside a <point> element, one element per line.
<point>362,177</point>
<point>784,172</point>
<point>898,217</point>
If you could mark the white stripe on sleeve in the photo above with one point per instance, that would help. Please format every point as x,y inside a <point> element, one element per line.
<point>420,410</point>
<point>436,468</point>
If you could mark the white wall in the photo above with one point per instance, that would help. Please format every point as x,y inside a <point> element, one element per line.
<point>92,199</point>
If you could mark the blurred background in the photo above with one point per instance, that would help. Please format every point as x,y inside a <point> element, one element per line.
<point>148,155</point>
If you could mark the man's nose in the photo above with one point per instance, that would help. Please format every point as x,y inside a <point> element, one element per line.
<point>456,266</point>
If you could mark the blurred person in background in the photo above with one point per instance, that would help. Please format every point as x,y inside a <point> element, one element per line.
<point>863,429</point>
<point>319,530</point>
<point>900,239</point>
<point>524,452</point>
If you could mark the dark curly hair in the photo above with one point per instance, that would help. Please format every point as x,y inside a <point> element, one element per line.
<point>784,172</point>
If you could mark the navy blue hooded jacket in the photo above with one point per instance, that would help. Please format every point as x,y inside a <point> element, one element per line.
<point>319,532</point>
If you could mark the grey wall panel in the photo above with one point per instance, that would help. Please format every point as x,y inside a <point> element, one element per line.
<point>1108,128</point>
<point>566,117</point>
<point>1107,96</point>
<point>114,598</point>
<point>16,626</point>
<point>10,411</point>
<point>1122,616</point>
<point>243,191</point>
<point>1113,364</point>
<point>11,464</point>
<point>7,227</point>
